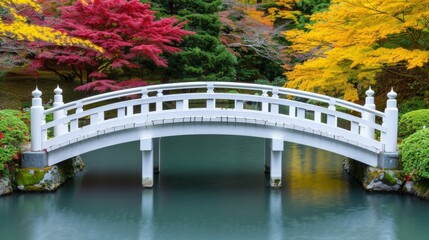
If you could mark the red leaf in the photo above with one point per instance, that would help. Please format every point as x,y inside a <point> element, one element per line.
<point>125,29</point>
<point>131,83</point>
<point>97,74</point>
<point>99,86</point>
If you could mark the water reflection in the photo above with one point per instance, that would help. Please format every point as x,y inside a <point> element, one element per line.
<point>275,222</point>
<point>146,226</point>
<point>311,176</point>
<point>211,192</point>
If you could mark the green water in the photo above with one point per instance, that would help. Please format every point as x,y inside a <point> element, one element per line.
<point>212,187</point>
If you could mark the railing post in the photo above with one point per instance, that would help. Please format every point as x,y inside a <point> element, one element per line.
<point>182,104</point>
<point>37,118</point>
<point>369,103</point>
<point>74,124</point>
<point>264,103</point>
<point>210,102</point>
<point>159,103</point>
<point>275,106</point>
<point>239,105</point>
<point>130,110</point>
<point>300,113</point>
<point>332,119</point>
<point>391,123</point>
<point>144,106</point>
<point>59,129</point>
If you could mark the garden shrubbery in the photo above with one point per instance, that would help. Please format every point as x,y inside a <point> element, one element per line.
<point>412,104</point>
<point>13,134</point>
<point>413,121</point>
<point>415,155</point>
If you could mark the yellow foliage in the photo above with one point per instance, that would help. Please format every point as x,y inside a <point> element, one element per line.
<point>284,11</point>
<point>258,16</point>
<point>8,3</point>
<point>254,2</point>
<point>355,39</point>
<point>20,29</point>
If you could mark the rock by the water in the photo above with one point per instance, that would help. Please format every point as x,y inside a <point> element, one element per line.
<point>419,189</point>
<point>381,180</point>
<point>48,178</point>
<point>39,179</point>
<point>374,179</point>
<point>5,186</point>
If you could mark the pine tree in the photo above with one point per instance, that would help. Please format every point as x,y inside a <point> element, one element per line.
<point>203,57</point>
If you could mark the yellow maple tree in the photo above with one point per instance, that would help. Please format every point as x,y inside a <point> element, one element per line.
<point>20,28</point>
<point>350,43</point>
<point>286,10</point>
<point>259,16</point>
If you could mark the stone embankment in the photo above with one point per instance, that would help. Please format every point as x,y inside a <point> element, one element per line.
<point>41,179</point>
<point>384,180</point>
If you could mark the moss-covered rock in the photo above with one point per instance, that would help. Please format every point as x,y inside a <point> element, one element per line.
<point>39,179</point>
<point>48,178</point>
<point>381,180</point>
<point>375,179</point>
<point>388,179</point>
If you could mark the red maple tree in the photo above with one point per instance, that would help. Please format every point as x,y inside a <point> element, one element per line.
<point>126,30</point>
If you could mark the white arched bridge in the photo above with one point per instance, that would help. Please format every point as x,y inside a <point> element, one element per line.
<point>149,113</point>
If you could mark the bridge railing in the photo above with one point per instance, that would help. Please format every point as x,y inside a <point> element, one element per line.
<point>274,104</point>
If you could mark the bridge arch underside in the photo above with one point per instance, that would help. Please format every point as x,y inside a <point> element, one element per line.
<point>326,142</point>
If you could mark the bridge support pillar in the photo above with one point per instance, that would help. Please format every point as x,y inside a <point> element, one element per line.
<point>267,156</point>
<point>276,163</point>
<point>146,146</point>
<point>156,155</point>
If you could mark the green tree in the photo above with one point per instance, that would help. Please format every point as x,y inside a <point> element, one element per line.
<point>203,57</point>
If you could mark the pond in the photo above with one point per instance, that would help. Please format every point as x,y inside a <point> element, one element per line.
<point>212,187</point>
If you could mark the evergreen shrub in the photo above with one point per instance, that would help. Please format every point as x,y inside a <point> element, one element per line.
<point>13,134</point>
<point>413,121</point>
<point>415,155</point>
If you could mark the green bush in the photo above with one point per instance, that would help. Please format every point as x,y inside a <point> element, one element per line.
<point>413,121</point>
<point>414,103</point>
<point>415,155</point>
<point>13,134</point>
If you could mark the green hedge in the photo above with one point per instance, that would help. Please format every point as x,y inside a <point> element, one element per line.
<point>13,134</point>
<point>413,121</point>
<point>415,155</point>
